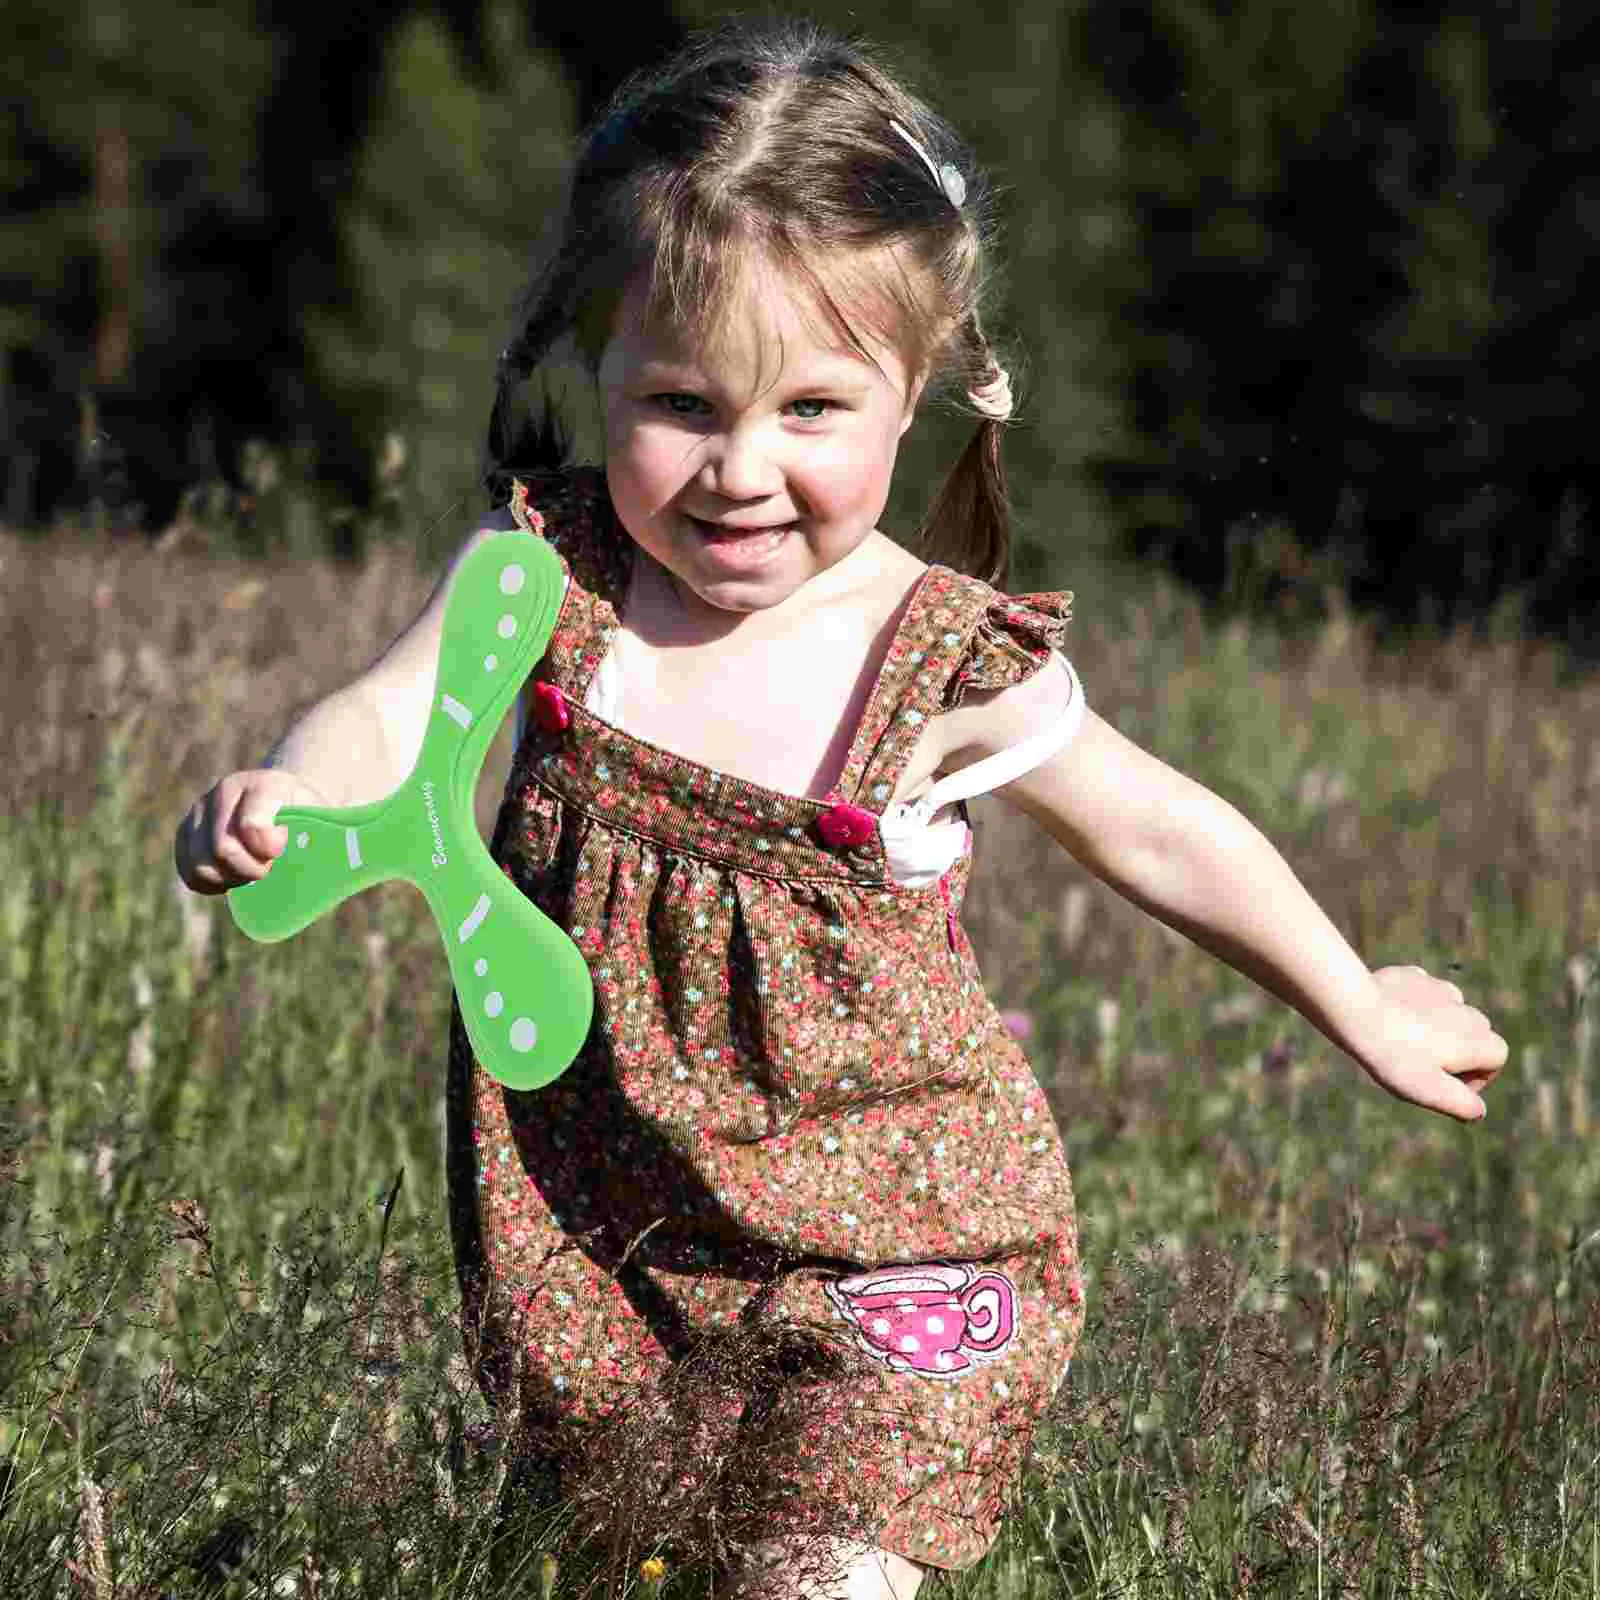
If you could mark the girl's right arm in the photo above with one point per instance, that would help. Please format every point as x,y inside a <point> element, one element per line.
<point>356,745</point>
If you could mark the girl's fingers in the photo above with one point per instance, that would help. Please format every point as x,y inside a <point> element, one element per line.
<point>1454,1052</point>
<point>1464,1099</point>
<point>1439,1091</point>
<point>1479,1061</point>
<point>264,836</point>
<point>1464,1020</point>
<point>1463,1105</point>
<point>237,848</point>
<point>1470,1056</point>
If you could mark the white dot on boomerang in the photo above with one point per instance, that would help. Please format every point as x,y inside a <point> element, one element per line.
<point>524,1035</point>
<point>474,919</point>
<point>494,1003</point>
<point>480,966</point>
<point>507,626</point>
<point>490,663</point>
<point>512,579</point>
<point>303,840</point>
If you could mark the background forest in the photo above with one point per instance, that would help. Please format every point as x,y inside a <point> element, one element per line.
<point>1304,297</point>
<point>1302,304</point>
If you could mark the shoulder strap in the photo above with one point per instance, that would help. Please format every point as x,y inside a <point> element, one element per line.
<point>1007,765</point>
<point>931,640</point>
<point>574,515</point>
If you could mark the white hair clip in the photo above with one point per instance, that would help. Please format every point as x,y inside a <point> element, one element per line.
<point>946,175</point>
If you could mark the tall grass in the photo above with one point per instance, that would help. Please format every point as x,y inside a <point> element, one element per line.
<point>1334,1346</point>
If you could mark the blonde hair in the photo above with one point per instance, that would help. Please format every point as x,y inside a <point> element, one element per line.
<point>776,141</point>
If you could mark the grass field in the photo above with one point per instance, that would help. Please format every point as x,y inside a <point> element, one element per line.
<point>1334,1346</point>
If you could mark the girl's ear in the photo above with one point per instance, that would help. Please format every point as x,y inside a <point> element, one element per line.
<point>910,414</point>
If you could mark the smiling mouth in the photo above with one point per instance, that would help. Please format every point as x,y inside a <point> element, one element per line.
<point>714,534</point>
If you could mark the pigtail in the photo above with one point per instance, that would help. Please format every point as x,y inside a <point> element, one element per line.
<point>525,440</point>
<point>968,527</point>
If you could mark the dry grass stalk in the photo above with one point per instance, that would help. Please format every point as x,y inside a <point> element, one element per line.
<point>1408,1520</point>
<point>91,1572</point>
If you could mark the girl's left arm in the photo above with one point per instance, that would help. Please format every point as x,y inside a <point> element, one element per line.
<point>1185,855</point>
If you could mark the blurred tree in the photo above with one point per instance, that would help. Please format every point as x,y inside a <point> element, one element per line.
<point>449,193</point>
<point>46,296</point>
<point>1368,324</point>
<point>88,89</point>
<point>1303,295</point>
<point>241,129</point>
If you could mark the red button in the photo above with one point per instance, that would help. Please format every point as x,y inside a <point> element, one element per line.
<point>844,826</point>
<point>550,708</point>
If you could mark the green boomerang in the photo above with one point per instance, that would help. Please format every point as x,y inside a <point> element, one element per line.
<point>523,985</point>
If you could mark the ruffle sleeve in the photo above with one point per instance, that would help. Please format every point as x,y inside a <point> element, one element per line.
<point>1012,641</point>
<point>571,511</point>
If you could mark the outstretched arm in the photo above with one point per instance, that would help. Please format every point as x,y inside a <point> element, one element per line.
<point>1185,855</point>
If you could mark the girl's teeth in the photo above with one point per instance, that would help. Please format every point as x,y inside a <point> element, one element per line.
<point>713,532</point>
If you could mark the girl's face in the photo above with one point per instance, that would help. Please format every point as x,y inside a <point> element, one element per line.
<point>748,469</point>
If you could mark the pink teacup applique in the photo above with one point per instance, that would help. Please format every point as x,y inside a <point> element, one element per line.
<point>940,1319</point>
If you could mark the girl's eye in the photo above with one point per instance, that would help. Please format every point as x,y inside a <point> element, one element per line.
<point>680,405</point>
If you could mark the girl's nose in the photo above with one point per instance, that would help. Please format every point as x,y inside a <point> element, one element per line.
<point>737,467</point>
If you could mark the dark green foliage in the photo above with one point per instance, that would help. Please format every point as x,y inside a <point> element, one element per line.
<point>150,328</point>
<point>1366,347</point>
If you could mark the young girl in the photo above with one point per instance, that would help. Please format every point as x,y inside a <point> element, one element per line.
<point>739,789</point>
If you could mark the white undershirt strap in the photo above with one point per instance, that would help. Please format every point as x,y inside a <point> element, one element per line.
<point>605,690</point>
<point>919,850</point>
<point>1007,765</point>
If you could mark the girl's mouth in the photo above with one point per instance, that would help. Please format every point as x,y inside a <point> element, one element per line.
<point>746,542</point>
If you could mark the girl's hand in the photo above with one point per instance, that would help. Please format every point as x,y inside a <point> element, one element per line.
<point>229,836</point>
<point>1423,1043</point>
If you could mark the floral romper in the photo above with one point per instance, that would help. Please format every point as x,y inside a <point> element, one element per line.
<point>795,1095</point>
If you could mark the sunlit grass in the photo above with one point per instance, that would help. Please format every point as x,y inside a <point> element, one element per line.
<point>1333,1345</point>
